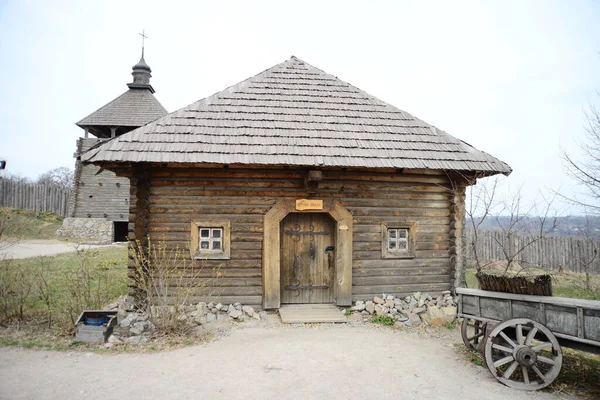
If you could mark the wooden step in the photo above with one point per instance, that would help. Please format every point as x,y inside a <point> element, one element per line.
<point>310,313</point>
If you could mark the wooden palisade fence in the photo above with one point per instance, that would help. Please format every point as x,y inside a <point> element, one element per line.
<point>569,253</point>
<point>30,196</point>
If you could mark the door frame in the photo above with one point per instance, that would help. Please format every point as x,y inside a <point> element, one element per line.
<point>271,255</point>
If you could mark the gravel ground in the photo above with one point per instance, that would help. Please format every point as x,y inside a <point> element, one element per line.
<point>36,248</point>
<point>265,362</point>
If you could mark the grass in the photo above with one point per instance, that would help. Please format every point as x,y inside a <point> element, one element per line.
<point>24,224</point>
<point>383,319</point>
<point>564,284</point>
<point>91,279</point>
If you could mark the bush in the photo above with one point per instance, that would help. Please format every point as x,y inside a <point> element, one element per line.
<point>167,281</point>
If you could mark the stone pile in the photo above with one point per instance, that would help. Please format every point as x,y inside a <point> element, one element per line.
<point>419,308</point>
<point>135,326</point>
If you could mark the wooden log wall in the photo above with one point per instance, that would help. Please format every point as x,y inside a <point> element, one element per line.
<point>98,193</point>
<point>38,198</point>
<point>553,253</point>
<point>178,195</point>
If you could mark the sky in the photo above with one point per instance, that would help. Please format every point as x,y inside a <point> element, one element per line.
<point>512,78</point>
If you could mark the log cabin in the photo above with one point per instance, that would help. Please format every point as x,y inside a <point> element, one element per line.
<point>301,188</point>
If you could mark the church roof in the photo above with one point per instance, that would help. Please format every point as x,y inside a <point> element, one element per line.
<point>135,107</point>
<point>295,114</point>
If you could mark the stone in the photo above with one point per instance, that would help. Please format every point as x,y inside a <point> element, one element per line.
<point>379,310</point>
<point>237,304</point>
<point>113,339</point>
<point>421,301</point>
<point>214,310</point>
<point>249,311</point>
<point>231,308</point>
<point>358,307</point>
<point>412,304</point>
<point>149,326</point>
<point>137,328</point>
<point>417,295</point>
<point>211,317</point>
<point>450,311</point>
<point>364,312</point>
<point>401,318</point>
<point>142,317</point>
<point>389,303</point>
<point>125,323</point>
<point>419,310</point>
<point>136,340</point>
<point>389,297</point>
<point>210,305</point>
<point>445,292</point>
<point>223,317</point>
<point>256,316</point>
<point>235,313</point>
<point>414,319</point>
<point>360,302</point>
<point>370,307</point>
<point>407,299</point>
<point>434,312</point>
<point>378,300</point>
<point>398,303</point>
<point>108,345</point>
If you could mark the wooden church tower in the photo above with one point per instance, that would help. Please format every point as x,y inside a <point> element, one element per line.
<point>99,205</point>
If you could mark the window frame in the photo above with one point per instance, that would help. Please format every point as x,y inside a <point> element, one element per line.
<point>208,254</point>
<point>409,252</point>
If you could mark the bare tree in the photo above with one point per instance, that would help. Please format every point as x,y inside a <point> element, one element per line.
<point>587,172</point>
<point>511,225</point>
<point>61,177</point>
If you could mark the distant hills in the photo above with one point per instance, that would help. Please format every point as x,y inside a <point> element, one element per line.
<point>564,226</point>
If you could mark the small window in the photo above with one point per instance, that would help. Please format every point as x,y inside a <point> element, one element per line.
<point>210,240</point>
<point>397,241</point>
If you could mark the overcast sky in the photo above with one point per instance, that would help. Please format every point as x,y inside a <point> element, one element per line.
<point>512,78</point>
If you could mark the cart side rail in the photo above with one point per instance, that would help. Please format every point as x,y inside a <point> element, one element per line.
<point>573,319</point>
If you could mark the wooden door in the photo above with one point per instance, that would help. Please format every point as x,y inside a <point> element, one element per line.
<point>307,258</point>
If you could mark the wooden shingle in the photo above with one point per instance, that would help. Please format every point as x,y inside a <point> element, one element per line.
<point>296,114</point>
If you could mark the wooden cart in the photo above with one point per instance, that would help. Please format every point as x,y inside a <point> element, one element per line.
<point>520,336</point>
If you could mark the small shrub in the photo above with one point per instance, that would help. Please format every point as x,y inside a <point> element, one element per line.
<point>348,311</point>
<point>383,319</point>
<point>167,281</point>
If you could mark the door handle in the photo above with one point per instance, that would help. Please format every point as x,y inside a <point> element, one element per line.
<point>329,248</point>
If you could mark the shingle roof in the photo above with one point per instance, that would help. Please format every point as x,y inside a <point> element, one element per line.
<point>135,107</point>
<point>295,114</point>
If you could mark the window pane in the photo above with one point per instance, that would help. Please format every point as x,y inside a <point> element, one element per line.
<point>402,244</point>
<point>216,245</point>
<point>204,233</point>
<point>392,245</point>
<point>392,233</point>
<point>204,244</point>
<point>216,233</point>
<point>402,233</point>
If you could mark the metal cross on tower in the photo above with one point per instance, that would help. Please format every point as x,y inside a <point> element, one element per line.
<point>144,37</point>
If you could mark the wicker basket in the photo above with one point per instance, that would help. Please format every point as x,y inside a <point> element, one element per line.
<point>540,285</point>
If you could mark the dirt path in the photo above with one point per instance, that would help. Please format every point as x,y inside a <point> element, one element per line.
<point>36,248</point>
<point>323,362</point>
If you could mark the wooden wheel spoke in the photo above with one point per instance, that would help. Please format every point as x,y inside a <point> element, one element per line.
<point>519,334</point>
<point>531,335</point>
<point>525,374</point>
<point>542,347</point>
<point>507,339</point>
<point>502,348</point>
<point>510,370</point>
<point>546,360</point>
<point>475,336</point>
<point>503,361</point>
<point>538,372</point>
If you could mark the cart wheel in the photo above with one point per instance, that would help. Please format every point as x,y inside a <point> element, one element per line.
<point>523,354</point>
<point>473,333</point>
